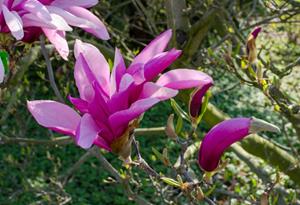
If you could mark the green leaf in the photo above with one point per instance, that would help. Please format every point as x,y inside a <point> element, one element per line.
<point>158,154</point>
<point>179,125</point>
<point>170,181</point>
<point>204,106</point>
<point>179,111</point>
<point>5,60</point>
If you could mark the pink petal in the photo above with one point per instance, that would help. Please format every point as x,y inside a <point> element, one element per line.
<point>96,64</point>
<point>126,81</point>
<point>54,115</point>
<point>79,104</point>
<point>159,63</point>
<point>256,31</point>
<point>30,20</point>
<point>13,22</point>
<point>151,90</point>
<point>119,101</point>
<point>57,38</point>
<point>183,79</point>
<point>87,131</point>
<point>155,47</point>
<point>219,138</point>
<point>70,18</point>
<point>98,29</point>
<point>81,3</point>
<point>83,84</point>
<point>117,73</point>
<point>121,118</point>
<point>195,104</point>
<point>38,9</point>
<point>100,142</point>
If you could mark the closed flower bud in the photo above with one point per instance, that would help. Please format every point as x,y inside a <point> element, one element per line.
<point>251,45</point>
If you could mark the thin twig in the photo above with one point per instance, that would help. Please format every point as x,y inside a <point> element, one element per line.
<point>50,70</point>
<point>76,166</point>
<point>124,182</point>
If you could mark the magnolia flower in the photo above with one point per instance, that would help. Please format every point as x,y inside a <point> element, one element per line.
<point>27,19</point>
<point>251,45</point>
<point>222,135</point>
<point>110,104</point>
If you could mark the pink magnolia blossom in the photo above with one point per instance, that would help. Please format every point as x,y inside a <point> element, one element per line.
<point>224,134</point>
<point>110,103</point>
<point>27,19</point>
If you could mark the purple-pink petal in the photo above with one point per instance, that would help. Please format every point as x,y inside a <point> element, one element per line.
<point>183,79</point>
<point>54,115</point>
<point>152,90</point>
<point>155,47</point>
<point>256,31</point>
<point>57,38</point>
<point>97,64</point>
<point>13,22</point>
<point>87,131</point>
<point>98,28</point>
<point>219,138</point>
<point>159,63</point>
<point>81,3</point>
<point>195,104</point>
<point>123,117</point>
<point>79,104</point>
<point>117,73</point>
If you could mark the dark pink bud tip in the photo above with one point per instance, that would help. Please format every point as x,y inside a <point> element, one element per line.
<point>219,138</point>
<point>196,99</point>
<point>256,31</point>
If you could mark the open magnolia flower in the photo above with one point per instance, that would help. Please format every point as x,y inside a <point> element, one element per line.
<point>224,134</point>
<point>27,19</point>
<point>110,104</point>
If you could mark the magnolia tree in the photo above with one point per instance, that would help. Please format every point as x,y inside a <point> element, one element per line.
<point>113,96</point>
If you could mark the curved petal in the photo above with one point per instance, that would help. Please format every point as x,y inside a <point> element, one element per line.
<point>159,63</point>
<point>56,23</point>
<point>13,22</point>
<point>83,84</point>
<point>151,90</point>
<point>98,29</point>
<point>87,131</point>
<point>101,142</point>
<point>54,115</point>
<point>70,18</point>
<point>117,73</point>
<point>183,79</point>
<point>79,104</point>
<point>81,3</point>
<point>123,117</point>
<point>219,138</point>
<point>96,62</point>
<point>155,47</point>
<point>195,104</point>
<point>57,38</point>
<point>38,9</point>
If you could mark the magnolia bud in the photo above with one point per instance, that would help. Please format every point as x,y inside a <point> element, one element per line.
<point>251,45</point>
<point>170,130</point>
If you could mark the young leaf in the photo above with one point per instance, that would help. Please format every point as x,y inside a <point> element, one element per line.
<point>179,111</point>
<point>5,60</point>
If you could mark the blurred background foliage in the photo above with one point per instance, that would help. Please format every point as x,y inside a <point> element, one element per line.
<point>32,174</point>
